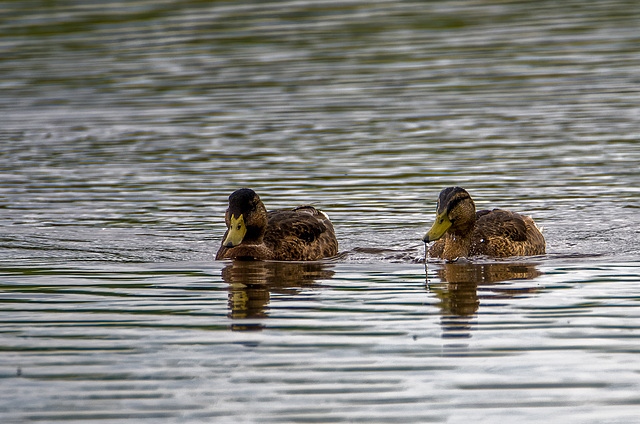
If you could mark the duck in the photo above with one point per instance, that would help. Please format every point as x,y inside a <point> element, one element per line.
<point>302,233</point>
<point>461,231</point>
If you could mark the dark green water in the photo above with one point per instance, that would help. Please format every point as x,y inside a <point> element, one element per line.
<point>124,126</point>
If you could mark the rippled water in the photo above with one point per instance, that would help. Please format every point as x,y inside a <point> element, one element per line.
<point>125,126</point>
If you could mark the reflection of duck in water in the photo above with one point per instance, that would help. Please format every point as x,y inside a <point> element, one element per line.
<point>463,286</point>
<point>460,297</point>
<point>252,282</point>
<point>460,231</point>
<point>300,234</point>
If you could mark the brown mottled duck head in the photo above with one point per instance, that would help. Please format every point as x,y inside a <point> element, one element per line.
<point>246,218</point>
<point>456,213</point>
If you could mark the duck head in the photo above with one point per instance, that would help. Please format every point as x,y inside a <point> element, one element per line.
<point>246,218</point>
<point>455,213</point>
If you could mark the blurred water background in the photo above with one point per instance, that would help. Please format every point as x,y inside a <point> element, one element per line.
<point>124,126</point>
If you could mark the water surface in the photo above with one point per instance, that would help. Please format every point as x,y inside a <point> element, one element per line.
<point>125,126</point>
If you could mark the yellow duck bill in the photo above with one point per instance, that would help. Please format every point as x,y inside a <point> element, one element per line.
<point>237,231</point>
<point>438,228</point>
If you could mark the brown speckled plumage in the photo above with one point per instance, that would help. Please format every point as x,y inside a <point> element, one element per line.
<point>299,234</point>
<point>493,233</point>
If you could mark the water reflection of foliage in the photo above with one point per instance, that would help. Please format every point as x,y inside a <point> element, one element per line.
<point>460,282</point>
<point>252,282</point>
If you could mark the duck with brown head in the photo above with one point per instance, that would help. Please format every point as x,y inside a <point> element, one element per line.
<point>460,231</point>
<point>299,234</point>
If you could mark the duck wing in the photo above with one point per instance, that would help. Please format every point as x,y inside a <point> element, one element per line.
<point>303,233</point>
<point>300,223</point>
<point>500,233</point>
<point>501,223</point>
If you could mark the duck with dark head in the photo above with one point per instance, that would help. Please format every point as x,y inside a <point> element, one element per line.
<point>460,231</point>
<point>299,234</point>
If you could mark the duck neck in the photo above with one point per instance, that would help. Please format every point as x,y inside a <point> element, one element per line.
<point>254,235</point>
<point>456,245</point>
<point>256,225</point>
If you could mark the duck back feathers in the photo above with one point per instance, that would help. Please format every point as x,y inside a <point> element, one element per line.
<point>500,233</point>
